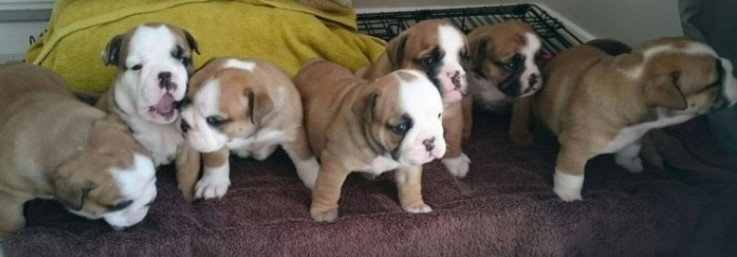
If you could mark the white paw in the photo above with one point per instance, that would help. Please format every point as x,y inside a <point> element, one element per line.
<point>307,171</point>
<point>212,186</point>
<point>457,166</point>
<point>567,187</point>
<point>418,208</point>
<point>633,165</point>
<point>325,216</point>
<point>242,153</point>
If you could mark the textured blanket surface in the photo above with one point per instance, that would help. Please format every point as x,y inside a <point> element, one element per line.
<point>282,32</point>
<point>505,207</point>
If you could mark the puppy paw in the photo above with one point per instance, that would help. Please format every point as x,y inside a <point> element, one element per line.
<point>457,166</point>
<point>417,208</point>
<point>242,153</point>
<point>523,139</point>
<point>212,186</point>
<point>633,164</point>
<point>567,187</point>
<point>568,195</point>
<point>324,216</point>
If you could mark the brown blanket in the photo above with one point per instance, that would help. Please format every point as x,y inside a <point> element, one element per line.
<point>505,207</point>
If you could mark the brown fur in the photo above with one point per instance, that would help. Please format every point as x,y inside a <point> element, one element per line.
<point>346,121</point>
<point>52,145</point>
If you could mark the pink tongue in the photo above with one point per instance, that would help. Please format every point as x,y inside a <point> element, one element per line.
<point>165,105</point>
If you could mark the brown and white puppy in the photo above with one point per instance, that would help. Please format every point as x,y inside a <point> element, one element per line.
<point>391,123</point>
<point>596,103</point>
<point>250,107</point>
<point>504,67</point>
<point>438,49</point>
<point>154,61</point>
<point>53,146</point>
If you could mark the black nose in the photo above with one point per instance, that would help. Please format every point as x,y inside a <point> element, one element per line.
<point>165,75</point>
<point>184,126</point>
<point>533,79</point>
<point>165,81</point>
<point>429,144</point>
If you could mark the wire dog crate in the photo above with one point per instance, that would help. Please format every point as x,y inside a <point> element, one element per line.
<point>553,33</point>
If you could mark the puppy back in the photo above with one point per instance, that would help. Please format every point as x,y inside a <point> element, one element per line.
<point>610,46</point>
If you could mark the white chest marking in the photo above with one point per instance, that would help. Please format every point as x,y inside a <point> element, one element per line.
<point>264,138</point>
<point>162,140</point>
<point>380,165</point>
<point>630,134</point>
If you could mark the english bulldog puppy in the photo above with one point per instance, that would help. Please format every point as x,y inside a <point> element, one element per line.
<point>249,107</point>
<point>53,146</point>
<point>596,103</point>
<point>438,49</point>
<point>504,67</point>
<point>154,61</point>
<point>391,123</point>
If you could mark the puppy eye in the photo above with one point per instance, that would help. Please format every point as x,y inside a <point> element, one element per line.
<point>401,128</point>
<point>137,67</point>
<point>429,60</point>
<point>119,206</point>
<point>510,66</point>
<point>216,121</point>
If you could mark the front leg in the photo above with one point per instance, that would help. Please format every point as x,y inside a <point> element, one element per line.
<point>327,190</point>
<point>409,185</point>
<point>301,155</point>
<point>467,106</point>
<point>455,160</point>
<point>188,163</point>
<point>569,171</point>
<point>628,157</point>
<point>11,215</point>
<point>520,124</point>
<point>216,177</point>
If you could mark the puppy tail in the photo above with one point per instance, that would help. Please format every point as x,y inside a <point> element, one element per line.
<point>610,46</point>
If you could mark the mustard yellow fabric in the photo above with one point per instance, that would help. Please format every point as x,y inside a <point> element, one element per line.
<point>285,33</point>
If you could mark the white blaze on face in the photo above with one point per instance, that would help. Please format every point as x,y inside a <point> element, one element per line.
<point>201,136</point>
<point>452,76</point>
<point>531,81</point>
<point>153,48</point>
<point>421,101</point>
<point>136,183</point>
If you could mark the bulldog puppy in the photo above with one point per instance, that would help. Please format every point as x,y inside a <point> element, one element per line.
<point>438,49</point>
<point>53,146</point>
<point>504,67</point>
<point>250,107</point>
<point>596,103</point>
<point>391,123</point>
<point>154,61</point>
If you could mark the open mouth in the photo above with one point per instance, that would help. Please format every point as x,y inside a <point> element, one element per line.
<point>165,106</point>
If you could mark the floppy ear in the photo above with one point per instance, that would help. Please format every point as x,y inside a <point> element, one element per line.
<point>259,105</point>
<point>663,91</point>
<point>112,50</point>
<point>72,190</point>
<point>478,50</point>
<point>395,50</point>
<point>191,41</point>
<point>365,107</point>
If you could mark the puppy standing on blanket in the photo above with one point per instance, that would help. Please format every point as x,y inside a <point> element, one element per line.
<point>504,67</point>
<point>391,123</point>
<point>154,61</point>
<point>250,107</point>
<point>55,147</point>
<point>596,103</point>
<point>438,49</point>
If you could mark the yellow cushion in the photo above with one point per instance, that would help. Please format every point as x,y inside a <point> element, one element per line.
<point>285,33</point>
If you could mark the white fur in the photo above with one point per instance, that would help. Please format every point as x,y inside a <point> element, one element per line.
<point>457,166</point>
<point>629,158</point>
<point>693,48</point>
<point>630,134</point>
<point>381,164</point>
<point>566,186</point>
<point>420,99</point>
<point>214,182</point>
<point>201,136</point>
<point>529,51</point>
<point>240,64</point>
<point>452,42</point>
<point>729,88</point>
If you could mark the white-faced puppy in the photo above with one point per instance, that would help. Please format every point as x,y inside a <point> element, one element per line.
<point>391,123</point>
<point>596,103</point>
<point>504,66</point>
<point>438,49</point>
<point>154,61</point>
<point>53,146</point>
<point>250,107</point>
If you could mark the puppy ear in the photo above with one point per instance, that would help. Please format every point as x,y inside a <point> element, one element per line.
<point>112,50</point>
<point>259,105</point>
<point>72,190</point>
<point>395,50</point>
<point>478,49</point>
<point>664,91</point>
<point>191,41</point>
<point>365,107</point>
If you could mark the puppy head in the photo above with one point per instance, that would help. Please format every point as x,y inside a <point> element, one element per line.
<point>507,55</point>
<point>401,115</point>
<point>226,100</point>
<point>439,50</point>
<point>112,178</point>
<point>154,61</point>
<point>685,77</point>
